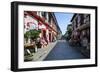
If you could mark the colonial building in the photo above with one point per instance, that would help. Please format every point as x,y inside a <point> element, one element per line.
<point>81,28</point>
<point>44,21</point>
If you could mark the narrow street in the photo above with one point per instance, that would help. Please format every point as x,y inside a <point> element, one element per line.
<point>42,29</point>
<point>63,51</point>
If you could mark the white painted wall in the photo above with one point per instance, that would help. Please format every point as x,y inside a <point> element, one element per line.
<point>5,21</point>
<point>33,23</point>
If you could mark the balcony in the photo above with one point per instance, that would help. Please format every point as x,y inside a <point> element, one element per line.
<point>84,26</point>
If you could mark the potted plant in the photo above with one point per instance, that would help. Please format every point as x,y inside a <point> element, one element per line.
<point>32,35</point>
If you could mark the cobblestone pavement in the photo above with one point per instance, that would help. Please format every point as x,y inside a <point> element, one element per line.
<point>63,51</point>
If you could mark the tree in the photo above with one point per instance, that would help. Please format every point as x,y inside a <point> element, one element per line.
<point>26,35</point>
<point>33,34</point>
<point>68,32</point>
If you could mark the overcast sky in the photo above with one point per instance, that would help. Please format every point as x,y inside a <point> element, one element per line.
<point>63,20</point>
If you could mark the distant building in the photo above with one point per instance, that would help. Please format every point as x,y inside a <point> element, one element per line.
<point>44,21</point>
<point>68,32</point>
<point>81,24</point>
<point>69,26</point>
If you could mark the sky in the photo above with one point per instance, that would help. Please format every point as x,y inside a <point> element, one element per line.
<point>63,20</point>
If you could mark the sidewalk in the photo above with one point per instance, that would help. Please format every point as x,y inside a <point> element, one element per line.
<point>42,53</point>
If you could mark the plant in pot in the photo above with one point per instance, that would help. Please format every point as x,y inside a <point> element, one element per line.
<point>35,37</point>
<point>33,34</point>
<point>31,38</point>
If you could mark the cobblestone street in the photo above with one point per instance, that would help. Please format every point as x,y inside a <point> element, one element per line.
<point>63,51</point>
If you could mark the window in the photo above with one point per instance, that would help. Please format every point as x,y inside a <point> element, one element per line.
<point>76,22</point>
<point>49,18</point>
<point>82,19</point>
<point>78,18</point>
<point>44,14</point>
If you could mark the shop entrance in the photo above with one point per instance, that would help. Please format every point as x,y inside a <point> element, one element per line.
<point>44,36</point>
<point>50,39</point>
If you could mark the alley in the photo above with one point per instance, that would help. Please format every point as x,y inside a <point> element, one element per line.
<point>63,51</point>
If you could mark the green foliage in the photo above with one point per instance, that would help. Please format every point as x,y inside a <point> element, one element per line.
<point>32,34</point>
<point>27,34</point>
<point>69,31</point>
